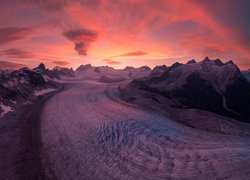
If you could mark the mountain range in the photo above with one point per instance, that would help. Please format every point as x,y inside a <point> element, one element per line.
<point>209,85</point>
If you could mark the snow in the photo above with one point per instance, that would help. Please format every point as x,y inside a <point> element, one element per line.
<point>27,102</point>
<point>13,101</point>
<point>92,134</point>
<point>91,74</point>
<point>43,91</point>
<point>5,109</point>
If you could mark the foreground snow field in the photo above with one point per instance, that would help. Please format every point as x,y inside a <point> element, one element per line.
<point>88,133</point>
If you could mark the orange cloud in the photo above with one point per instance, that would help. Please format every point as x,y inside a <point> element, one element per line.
<point>134,53</point>
<point>111,62</point>
<point>61,63</point>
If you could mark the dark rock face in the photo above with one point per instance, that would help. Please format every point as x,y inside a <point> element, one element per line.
<point>144,68</point>
<point>246,74</point>
<point>56,73</point>
<point>41,68</point>
<point>35,78</point>
<point>158,70</point>
<point>225,91</point>
<point>206,59</point>
<point>175,65</point>
<point>20,84</point>
<point>237,97</point>
<point>106,79</point>
<point>97,70</point>
<point>52,74</point>
<point>199,93</point>
<point>218,62</point>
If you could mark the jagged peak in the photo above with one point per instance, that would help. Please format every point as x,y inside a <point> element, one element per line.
<point>230,62</point>
<point>84,67</point>
<point>206,59</point>
<point>24,68</point>
<point>218,62</point>
<point>41,66</point>
<point>160,67</point>
<point>145,68</point>
<point>175,65</point>
<point>192,61</point>
<point>128,68</point>
<point>57,68</point>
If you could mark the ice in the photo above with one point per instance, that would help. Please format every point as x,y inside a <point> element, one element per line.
<point>92,134</point>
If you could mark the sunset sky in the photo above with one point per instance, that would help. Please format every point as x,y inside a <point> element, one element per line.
<point>122,33</point>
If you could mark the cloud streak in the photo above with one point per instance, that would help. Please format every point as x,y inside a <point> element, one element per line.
<point>61,63</point>
<point>10,34</point>
<point>10,65</point>
<point>14,53</point>
<point>135,53</point>
<point>111,62</point>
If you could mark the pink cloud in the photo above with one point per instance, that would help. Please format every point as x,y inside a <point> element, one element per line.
<point>10,34</point>
<point>10,65</point>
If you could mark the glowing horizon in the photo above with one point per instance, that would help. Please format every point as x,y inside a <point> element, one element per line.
<point>123,33</point>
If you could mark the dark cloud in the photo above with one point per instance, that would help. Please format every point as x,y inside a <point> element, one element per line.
<point>57,5</point>
<point>10,34</point>
<point>80,48</point>
<point>82,39</point>
<point>61,63</point>
<point>50,5</point>
<point>111,62</point>
<point>233,16</point>
<point>134,53</point>
<point>10,65</point>
<point>16,53</point>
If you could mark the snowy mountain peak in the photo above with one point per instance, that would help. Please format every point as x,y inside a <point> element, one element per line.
<point>84,67</point>
<point>144,68</point>
<point>127,68</point>
<point>58,68</point>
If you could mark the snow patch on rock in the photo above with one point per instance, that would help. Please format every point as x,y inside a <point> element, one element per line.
<point>44,91</point>
<point>5,109</point>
